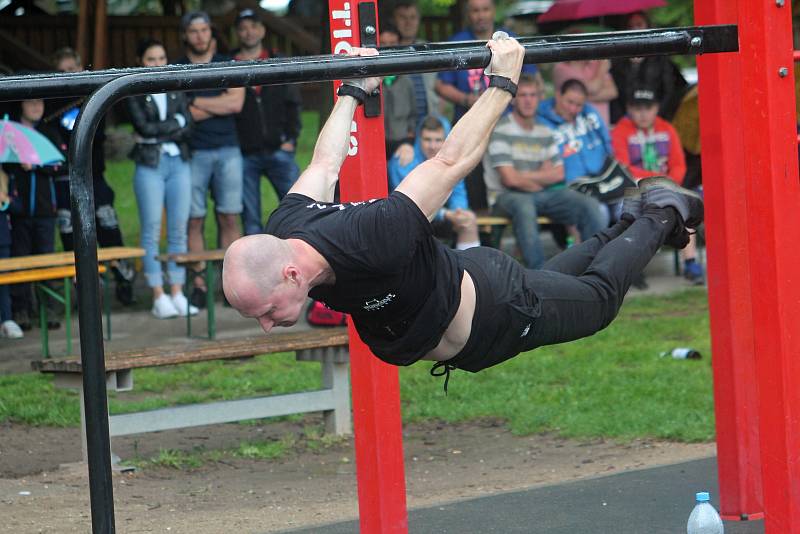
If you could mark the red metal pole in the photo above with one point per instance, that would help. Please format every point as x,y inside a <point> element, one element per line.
<point>773,224</point>
<point>724,179</point>
<point>376,387</point>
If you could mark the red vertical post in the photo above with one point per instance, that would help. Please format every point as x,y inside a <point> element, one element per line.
<point>724,181</point>
<point>773,225</point>
<point>376,387</point>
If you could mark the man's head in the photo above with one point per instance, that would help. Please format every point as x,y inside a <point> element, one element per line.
<point>66,60</point>
<point>261,280</point>
<point>643,107</point>
<point>570,99</point>
<point>405,16</point>
<point>431,136</point>
<point>480,14</point>
<point>529,92</point>
<point>249,29</point>
<point>389,35</point>
<point>196,27</point>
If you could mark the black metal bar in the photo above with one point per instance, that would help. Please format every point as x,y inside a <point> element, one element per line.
<point>111,86</point>
<point>396,60</point>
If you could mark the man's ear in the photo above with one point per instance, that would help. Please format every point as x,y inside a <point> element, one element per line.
<point>291,274</point>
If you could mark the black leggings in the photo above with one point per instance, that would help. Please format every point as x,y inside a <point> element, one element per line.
<point>575,294</point>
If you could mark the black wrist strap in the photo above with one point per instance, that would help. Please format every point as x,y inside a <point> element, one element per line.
<point>351,90</point>
<point>501,82</point>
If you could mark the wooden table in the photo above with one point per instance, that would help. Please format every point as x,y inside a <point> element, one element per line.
<point>57,265</point>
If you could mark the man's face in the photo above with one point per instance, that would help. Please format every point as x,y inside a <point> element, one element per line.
<point>282,307</point>
<point>69,64</point>
<point>526,101</point>
<point>406,19</point>
<point>569,104</point>
<point>250,32</point>
<point>481,15</point>
<point>431,141</point>
<point>198,37</point>
<point>643,115</point>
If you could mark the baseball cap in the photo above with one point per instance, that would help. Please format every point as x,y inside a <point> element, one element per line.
<point>247,14</point>
<point>194,16</point>
<point>643,95</point>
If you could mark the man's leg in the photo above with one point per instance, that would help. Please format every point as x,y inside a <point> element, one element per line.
<point>252,168</point>
<point>521,207</point>
<point>201,168</point>
<point>227,190</point>
<point>282,171</point>
<point>109,234</point>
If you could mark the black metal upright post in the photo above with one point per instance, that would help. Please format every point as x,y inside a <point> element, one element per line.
<point>110,86</point>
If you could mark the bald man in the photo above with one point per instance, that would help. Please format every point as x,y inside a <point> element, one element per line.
<point>409,296</point>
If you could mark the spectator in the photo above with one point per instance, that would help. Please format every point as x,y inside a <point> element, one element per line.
<point>525,176</point>
<point>658,72</point>
<point>463,87</point>
<point>8,328</point>
<point>399,107</point>
<point>162,180</point>
<point>32,209</point>
<point>406,18</point>
<point>455,218</point>
<point>268,126</point>
<point>595,75</point>
<point>650,146</point>
<point>62,114</point>
<point>216,159</point>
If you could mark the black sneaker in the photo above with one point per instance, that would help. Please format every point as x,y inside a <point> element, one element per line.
<point>663,192</point>
<point>198,297</point>
<point>632,202</point>
<point>124,277</point>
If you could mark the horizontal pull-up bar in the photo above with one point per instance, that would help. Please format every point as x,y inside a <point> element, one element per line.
<point>427,57</point>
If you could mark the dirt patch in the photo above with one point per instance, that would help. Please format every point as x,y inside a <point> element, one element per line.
<point>443,463</point>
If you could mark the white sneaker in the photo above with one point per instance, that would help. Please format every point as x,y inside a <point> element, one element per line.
<point>11,330</point>
<point>163,308</point>
<point>182,305</point>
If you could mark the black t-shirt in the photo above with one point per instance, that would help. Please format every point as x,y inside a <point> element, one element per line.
<point>215,132</point>
<point>400,285</point>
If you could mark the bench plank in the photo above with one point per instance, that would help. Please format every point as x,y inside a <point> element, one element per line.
<point>40,275</point>
<point>194,257</point>
<point>496,220</point>
<point>199,352</point>
<point>58,259</point>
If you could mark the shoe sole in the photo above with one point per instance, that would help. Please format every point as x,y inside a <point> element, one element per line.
<point>666,183</point>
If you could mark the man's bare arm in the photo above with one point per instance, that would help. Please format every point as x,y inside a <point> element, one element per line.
<point>532,181</point>
<point>319,179</point>
<point>430,184</point>
<point>227,103</point>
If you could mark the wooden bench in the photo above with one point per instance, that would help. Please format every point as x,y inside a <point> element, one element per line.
<point>37,277</point>
<point>491,227</point>
<point>210,258</point>
<point>328,346</point>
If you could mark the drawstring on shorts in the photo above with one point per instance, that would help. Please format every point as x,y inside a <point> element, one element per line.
<point>443,369</point>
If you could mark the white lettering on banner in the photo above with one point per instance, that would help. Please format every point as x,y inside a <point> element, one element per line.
<point>341,22</point>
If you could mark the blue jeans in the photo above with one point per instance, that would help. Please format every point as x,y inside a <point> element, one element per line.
<point>563,206</point>
<point>218,169</point>
<point>168,185</point>
<point>281,170</point>
<point>5,297</point>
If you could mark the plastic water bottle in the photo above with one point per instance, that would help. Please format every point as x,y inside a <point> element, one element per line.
<point>682,353</point>
<point>704,519</point>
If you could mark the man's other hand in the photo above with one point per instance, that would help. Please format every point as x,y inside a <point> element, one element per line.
<point>367,84</point>
<point>507,56</point>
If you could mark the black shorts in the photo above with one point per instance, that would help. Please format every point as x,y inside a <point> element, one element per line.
<point>505,310</point>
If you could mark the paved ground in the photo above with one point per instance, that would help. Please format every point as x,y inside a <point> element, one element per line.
<point>655,501</point>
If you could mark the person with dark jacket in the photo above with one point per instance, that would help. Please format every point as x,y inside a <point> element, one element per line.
<point>61,113</point>
<point>8,328</point>
<point>268,127</point>
<point>162,180</point>
<point>32,208</point>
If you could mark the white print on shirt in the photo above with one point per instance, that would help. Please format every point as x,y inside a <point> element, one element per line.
<point>341,207</point>
<point>526,330</point>
<point>375,304</point>
<point>572,136</point>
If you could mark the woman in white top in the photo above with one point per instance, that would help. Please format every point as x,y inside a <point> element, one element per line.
<point>162,180</point>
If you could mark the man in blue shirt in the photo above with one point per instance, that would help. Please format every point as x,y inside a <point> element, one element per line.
<point>216,157</point>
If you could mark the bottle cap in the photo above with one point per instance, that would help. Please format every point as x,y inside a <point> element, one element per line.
<point>702,496</point>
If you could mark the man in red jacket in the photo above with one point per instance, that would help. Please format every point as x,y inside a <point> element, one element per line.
<point>650,146</point>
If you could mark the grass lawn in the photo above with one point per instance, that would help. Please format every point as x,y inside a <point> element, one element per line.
<point>120,176</point>
<point>613,384</point>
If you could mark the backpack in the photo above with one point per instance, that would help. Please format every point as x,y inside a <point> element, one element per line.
<point>320,315</point>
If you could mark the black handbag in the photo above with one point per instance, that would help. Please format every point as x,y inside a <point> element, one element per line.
<point>609,185</point>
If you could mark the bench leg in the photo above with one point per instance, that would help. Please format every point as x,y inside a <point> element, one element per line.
<point>43,332</point>
<point>336,377</point>
<point>211,288</point>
